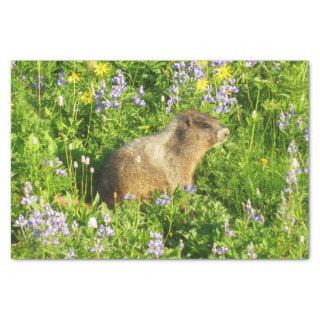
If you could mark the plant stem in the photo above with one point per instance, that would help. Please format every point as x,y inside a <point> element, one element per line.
<point>254,121</point>
<point>39,87</point>
<point>82,178</point>
<point>170,222</point>
<point>86,184</point>
<point>91,174</point>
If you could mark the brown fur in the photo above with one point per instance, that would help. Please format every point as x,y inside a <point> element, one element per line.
<point>161,161</point>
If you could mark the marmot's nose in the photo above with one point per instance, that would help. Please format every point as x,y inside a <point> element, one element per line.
<point>224,132</point>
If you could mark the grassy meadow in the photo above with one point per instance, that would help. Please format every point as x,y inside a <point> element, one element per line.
<point>250,199</point>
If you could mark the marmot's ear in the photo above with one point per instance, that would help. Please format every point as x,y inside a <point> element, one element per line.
<point>188,120</point>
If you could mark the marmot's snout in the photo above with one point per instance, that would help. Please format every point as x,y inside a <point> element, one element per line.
<point>223,134</point>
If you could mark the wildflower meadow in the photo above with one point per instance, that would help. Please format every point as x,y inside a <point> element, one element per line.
<point>250,197</point>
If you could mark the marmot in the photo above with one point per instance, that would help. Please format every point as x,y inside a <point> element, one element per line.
<point>161,161</point>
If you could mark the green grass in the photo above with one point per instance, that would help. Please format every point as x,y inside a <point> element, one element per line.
<point>226,178</point>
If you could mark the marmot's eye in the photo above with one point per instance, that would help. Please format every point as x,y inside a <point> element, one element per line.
<point>205,125</point>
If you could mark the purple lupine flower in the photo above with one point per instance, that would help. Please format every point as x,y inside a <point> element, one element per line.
<point>195,70</point>
<point>103,85</point>
<point>28,200</point>
<point>283,121</point>
<point>21,221</point>
<point>292,148</point>
<point>163,200</point>
<point>129,196</point>
<point>98,95</point>
<point>105,231</point>
<point>47,225</point>
<point>208,96</point>
<point>70,254</point>
<point>233,89</point>
<point>27,187</point>
<point>139,102</point>
<point>174,89</point>
<point>61,172</point>
<point>190,189</point>
<point>75,225</point>
<point>106,103</point>
<point>181,77</point>
<point>52,223</point>
<point>295,165</point>
<point>250,251</point>
<point>35,85</point>
<point>119,85</point>
<point>98,247</point>
<point>61,81</point>
<point>65,230</point>
<point>156,245</point>
<point>119,81</point>
<point>300,122</point>
<point>292,111</point>
<point>217,63</point>
<point>253,214</point>
<point>287,190</point>
<point>179,65</point>
<point>291,178</point>
<point>223,98</point>
<point>36,219</point>
<point>227,229</point>
<point>115,92</point>
<point>106,219</point>
<point>37,233</point>
<point>250,63</point>
<point>141,91</point>
<point>219,250</point>
<point>116,104</point>
<point>170,101</point>
<point>52,163</point>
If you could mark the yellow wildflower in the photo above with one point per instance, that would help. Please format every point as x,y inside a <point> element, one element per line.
<point>264,161</point>
<point>91,65</point>
<point>102,68</point>
<point>202,85</point>
<point>202,63</point>
<point>224,72</point>
<point>74,77</point>
<point>87,97</point>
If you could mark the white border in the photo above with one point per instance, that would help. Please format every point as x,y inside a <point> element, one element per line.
<point>159,30</point>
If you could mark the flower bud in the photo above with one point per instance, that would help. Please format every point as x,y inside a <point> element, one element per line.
<point>60,101</point>
<point>92,223</point>
<point>254,114</point>
<point>34,140</point>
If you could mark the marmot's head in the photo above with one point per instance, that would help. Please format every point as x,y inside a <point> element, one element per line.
<point>202,129</point>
